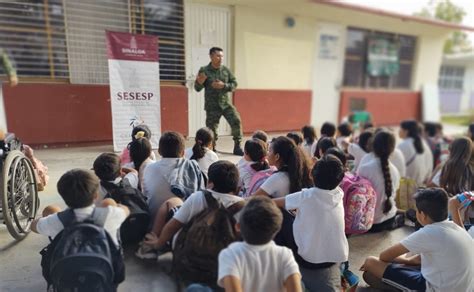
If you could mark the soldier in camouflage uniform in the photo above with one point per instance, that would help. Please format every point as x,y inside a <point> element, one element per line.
<point>217,81</point>
<point>9,70</point>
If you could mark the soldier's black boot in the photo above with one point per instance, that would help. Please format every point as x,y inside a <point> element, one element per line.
<point>237,149</point>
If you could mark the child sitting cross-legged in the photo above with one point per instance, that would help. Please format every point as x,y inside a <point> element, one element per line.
<point>258,264</point>
<point>444,257</point>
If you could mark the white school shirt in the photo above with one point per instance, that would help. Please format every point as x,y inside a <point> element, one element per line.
<point>197,203</point>
<point>319,225</point>
<point>310,148</point>
<point>155,185</point>
<point>447,256</point>
<point>277,185</point>
<point>209,158</point>
<point>258,267</point>
<point>372,170</point>
<point>51,225</point>
<point>357,152</point>
<point>396,158</point>
<point>422,165</point>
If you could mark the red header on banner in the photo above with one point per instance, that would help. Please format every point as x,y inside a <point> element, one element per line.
<point>132,47</point>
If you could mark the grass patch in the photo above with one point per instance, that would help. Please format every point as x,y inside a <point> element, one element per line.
<point>457,120</point>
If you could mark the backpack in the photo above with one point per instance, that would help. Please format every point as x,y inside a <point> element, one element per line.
<point>135,227</point>
<point>359,204</point>
<point>186,178</point>
<point>83,256</point>
<point>257,180</point>
<point>197,246</point>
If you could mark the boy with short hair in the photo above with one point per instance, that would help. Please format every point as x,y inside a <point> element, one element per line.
<point>443,250</point>
<point>79,189</point>
<point>108,169</point>
<point>323,246</point>
<point>258,264</point>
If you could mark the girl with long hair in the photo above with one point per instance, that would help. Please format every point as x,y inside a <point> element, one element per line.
<point>201,151</point>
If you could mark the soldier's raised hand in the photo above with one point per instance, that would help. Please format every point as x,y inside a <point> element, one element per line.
<point>201,78</point>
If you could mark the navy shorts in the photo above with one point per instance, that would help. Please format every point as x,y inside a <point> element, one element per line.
<point>405,278</point>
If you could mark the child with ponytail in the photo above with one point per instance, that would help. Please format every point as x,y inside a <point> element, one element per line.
<point>418,157</point>
<point>385,179</point>
<point>201,151</point>
<point>140,131</point>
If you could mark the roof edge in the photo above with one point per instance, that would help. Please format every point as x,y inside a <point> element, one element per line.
<point>400,16</point>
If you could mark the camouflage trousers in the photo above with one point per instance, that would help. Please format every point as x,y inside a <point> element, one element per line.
<point>213,115</point>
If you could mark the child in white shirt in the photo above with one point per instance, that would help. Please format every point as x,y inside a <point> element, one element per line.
<point>201,151</point>
<point>442,249</point>
<point>323,246</point>
<point>257,263</point>
<point>310,140</point>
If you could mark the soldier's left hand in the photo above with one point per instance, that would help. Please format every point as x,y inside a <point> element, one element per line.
<point>217,84</point>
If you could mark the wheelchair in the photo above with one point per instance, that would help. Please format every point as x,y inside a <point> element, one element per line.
<point>18,188</point>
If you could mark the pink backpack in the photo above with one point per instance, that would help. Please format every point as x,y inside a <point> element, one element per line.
<point>257,180</point>
<point>359,204</point>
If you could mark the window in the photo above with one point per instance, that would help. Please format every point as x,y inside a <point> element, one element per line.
<point>65,39</point>
<point>451,77</point>
<point>356,58</point>
<point>32,33</point>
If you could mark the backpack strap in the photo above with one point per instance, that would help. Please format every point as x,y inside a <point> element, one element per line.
<point>236,207</point>
<point>210,200</point>
<point>67,217</point>
<point>99,215</point>
<point>411,160</point>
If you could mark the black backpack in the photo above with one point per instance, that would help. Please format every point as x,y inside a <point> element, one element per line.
<point>135,227</point>
<point>83,256</point>
<point>197,247</point>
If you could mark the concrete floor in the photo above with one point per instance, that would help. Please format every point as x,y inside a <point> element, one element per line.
<point>20,269</point>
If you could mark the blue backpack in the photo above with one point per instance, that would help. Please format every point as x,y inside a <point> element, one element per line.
<point>83,256</point>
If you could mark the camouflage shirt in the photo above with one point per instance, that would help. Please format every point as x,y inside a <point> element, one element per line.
<point>216,97</point>
<point>7,64</point>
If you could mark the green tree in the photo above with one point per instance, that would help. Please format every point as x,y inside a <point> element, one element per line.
<point>445,10</point>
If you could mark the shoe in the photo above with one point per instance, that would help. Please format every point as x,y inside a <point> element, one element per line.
<point>238,150</point>
<point>411,215</point>
<point>145,252</point>
<point>399,221</point>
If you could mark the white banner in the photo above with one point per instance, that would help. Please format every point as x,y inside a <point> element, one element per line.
<point>134,79</point>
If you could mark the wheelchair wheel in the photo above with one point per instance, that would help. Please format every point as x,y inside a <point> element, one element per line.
<point>19,194</point>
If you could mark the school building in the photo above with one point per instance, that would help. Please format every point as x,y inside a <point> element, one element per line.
<point>456,84</point>
<point>296,62</point>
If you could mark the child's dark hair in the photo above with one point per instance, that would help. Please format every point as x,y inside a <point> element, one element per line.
<point>367,125</point>
<point>140,150</point>
<point>309,134</point>
<point>260,220</point>
<point>471,131</point>
<point>293,161</point>
<point>107,166</point>
<point>336,151</point>
<point>224,175</point>
<point>171,145</point>
<point>78,188</point>
<point>328,129</point>
<point>296,137</point>
<point>324,144</point>
<point>257,151</point>
<point>458,172</point>
<point>366,139</point>
<point>204,138</point>
<point>141,128</point>
<point>384,144</point>
<point>433,202</point>
<point>328,172</point>
<point>414,131</point>
<point>430,128</point>
<point>345,129</point>
<point>259,134</point>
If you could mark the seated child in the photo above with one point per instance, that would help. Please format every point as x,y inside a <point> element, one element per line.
<point>79,189</point>
<point>223,184</point>
<point>458,207</point>
<point>310,139</point>
<point>321,248</point>
<point>258,264</point>
<point>296,137</point>
<point>140,131</point>
<point>261,135</point>
<point>442,249</point>
<point>324,144</point>
<point>107,168</point>
<point>328,129</point>
<point>140,153</point>
<point>344,136</point>
<point>201,151</point>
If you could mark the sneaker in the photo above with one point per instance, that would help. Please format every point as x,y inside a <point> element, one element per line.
<point>411,215</point>
<point>238,150</point>
<point>399,221</point>
<point>145,252</point>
